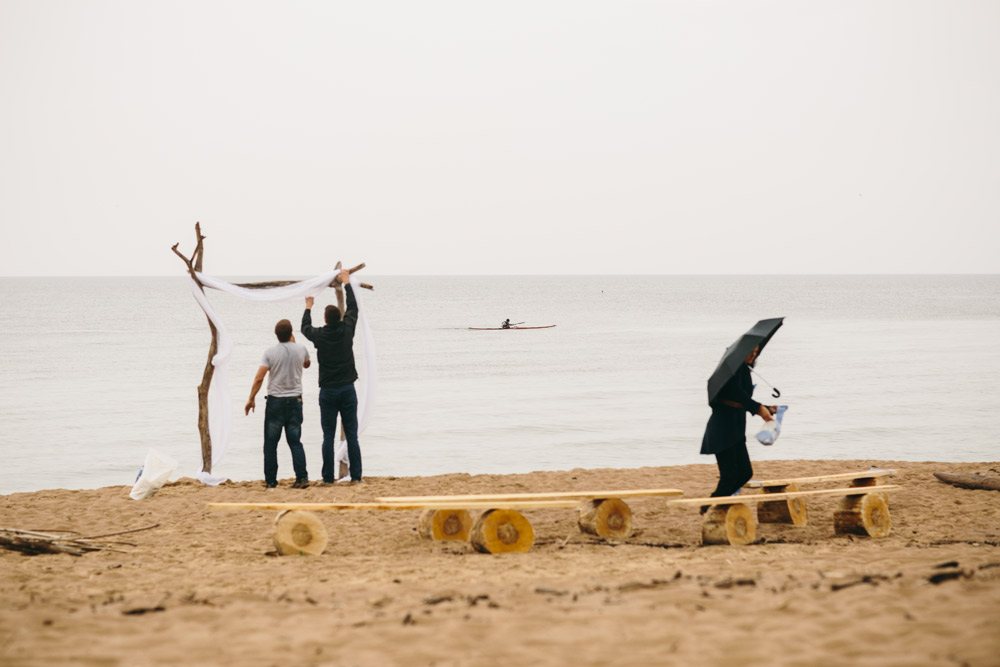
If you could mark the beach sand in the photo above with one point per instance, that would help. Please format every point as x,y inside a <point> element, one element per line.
<point>205,586</point>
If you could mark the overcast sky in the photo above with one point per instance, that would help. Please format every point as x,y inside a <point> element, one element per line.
<point>500,138</point>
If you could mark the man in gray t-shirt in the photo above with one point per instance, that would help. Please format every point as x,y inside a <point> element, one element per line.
<point>285,362</point>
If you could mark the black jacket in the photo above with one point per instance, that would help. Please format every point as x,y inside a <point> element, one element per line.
<point>727,427</point>
<point>335,345</point>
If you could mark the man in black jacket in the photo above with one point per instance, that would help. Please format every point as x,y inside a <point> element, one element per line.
<point>335,352</point>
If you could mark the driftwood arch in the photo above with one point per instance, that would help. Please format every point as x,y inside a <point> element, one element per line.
<point>194,266</point>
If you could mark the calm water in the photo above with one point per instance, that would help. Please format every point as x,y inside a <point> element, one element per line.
<point>95,371</point>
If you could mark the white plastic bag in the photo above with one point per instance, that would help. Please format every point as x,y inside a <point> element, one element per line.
<point>772,429</point>
<point>152,475</point>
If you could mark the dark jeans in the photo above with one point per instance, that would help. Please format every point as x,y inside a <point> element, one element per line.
<point>283,413</point>
<point>342,400</point>
<point>734,470</point>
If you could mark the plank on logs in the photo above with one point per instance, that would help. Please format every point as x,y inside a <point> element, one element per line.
<point>844,476</point>
<point>554,495</point>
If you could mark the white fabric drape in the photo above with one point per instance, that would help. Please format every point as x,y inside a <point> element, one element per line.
<point>220,402</point>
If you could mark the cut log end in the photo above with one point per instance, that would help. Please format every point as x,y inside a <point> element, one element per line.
<point>608,518</point>
<point>866,515</point>
<point>502,531</point>
<point>728,524</point>
<point>299,533</point>
<point>790,510</point>
<point>445,524</point>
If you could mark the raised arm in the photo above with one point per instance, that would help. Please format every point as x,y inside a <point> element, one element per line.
<point>307,328</point>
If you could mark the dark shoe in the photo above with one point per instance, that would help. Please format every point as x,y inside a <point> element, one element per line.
<point>325,483</point>
<point>354,482</point>
<point>269,485</point>
<point>300,484</point>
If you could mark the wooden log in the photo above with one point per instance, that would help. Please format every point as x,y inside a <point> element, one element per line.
<point>728,524</point>
<point>790,510</point>
<point>502,531</point>
<point>970,481</point>
<point>437,524</point>
<point>299,533</point>
<point>608,518</point>
<point>866,515</point>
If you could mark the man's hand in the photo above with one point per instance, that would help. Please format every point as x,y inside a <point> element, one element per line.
<point>345,277</point>
<point>309,302</point>
<point>249,406</point>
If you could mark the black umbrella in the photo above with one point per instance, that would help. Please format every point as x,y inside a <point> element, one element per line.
<point>737,353</point>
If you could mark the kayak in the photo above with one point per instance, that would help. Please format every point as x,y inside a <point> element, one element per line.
<point>547,326</point>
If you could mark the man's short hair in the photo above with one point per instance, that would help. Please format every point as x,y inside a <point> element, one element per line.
<point>283,330</point>
<point>331,314</point>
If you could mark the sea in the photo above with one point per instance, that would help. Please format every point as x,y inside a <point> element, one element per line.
<point>96,372</point>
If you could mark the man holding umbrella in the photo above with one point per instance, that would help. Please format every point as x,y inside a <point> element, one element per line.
<point>730,394</point>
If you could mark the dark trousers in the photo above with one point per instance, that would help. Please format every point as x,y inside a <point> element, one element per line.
<point>283,413</point>
<point>734,470</point>
<point>343,401</point>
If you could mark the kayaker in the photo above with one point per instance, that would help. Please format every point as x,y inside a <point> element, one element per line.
<point>506,324</point>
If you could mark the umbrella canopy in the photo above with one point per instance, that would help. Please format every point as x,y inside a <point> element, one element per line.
<point>737,353</point>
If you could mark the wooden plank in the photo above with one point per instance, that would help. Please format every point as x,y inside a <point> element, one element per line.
<point>867,474</point>
<point>554,495</point>
<point>768,497</point>
<point>323,507</point>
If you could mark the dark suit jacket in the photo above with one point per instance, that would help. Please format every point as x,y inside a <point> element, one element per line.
<point>335,345</point>
<point>727,427</point>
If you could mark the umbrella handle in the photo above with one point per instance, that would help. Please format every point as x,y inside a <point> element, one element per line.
<point>775,392</point>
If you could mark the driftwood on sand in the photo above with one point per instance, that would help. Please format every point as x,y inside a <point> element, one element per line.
<point>33,542</point>
<point>970,480</point>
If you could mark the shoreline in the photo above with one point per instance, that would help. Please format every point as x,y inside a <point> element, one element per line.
<point>202,587</point>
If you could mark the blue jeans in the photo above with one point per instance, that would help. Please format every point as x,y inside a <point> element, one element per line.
<point>283,413</point>
<point>342,400</point>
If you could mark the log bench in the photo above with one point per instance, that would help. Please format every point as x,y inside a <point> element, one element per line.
<point>793,510</point>
<point>729,519</point>
<point>602,513</point>
<point>501,528</point>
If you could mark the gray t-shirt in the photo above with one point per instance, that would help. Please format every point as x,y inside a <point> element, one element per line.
<point>284,362</point>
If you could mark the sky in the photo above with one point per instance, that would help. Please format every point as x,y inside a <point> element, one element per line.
<point>500,138</point>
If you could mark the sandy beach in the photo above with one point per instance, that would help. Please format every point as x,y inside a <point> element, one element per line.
<point>205,586</point>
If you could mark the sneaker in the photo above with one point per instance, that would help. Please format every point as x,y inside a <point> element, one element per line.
<point>300,484</point>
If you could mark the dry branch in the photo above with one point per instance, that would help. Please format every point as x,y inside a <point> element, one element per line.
<point>33,542</point>
<point>281,283</point>
<point>194,265</point>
